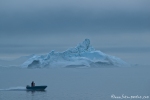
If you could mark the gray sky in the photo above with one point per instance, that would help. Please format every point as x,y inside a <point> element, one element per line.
<point>39,26</point>
<point>57,16</point>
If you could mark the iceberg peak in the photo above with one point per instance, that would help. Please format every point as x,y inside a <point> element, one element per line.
<point>81,55</point>
<point>85,46</point>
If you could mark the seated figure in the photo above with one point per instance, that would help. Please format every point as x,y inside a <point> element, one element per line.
<point>32,84</point>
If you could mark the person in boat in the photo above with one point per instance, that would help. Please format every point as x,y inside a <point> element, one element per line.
<point>32,84</point>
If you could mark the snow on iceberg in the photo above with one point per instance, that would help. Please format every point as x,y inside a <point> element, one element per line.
<point>82,55</point>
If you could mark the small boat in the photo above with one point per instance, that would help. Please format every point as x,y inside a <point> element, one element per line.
<point>36,88</point>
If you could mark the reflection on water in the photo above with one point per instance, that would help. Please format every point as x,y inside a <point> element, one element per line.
<point>33,91</point>
<point>36,95</point>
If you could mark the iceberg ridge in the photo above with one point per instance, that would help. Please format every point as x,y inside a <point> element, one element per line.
<point>82,55</point>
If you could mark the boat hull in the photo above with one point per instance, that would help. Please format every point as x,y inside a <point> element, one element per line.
<point>36,88</point>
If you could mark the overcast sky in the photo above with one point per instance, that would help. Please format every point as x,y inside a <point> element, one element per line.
<point>27,25</point>
<point>55,16</point>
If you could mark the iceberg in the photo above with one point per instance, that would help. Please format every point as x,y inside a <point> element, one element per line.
<point>83,55</point>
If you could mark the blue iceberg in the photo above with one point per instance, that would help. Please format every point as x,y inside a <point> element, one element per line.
<point>83,55</point>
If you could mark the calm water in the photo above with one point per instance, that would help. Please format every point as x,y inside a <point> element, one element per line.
<point>74,83</point>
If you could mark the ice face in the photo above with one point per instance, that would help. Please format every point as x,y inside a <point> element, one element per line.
<point>82,55</point>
